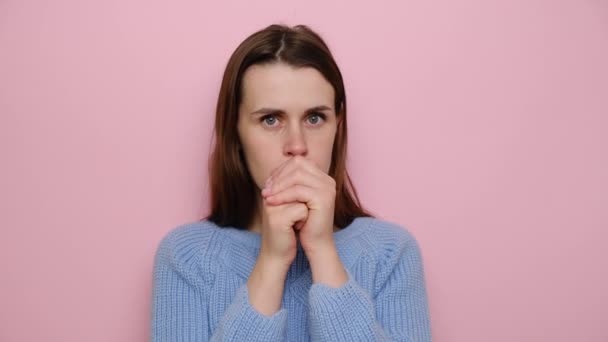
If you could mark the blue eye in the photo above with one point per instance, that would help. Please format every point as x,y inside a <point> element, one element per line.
<point>318,117</point>
<point>269,122</point>
<point>314,119</point>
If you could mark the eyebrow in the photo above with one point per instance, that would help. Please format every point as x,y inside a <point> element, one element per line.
<point>280,111</point>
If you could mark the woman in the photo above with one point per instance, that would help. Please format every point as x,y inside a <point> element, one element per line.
<point>287,252</point>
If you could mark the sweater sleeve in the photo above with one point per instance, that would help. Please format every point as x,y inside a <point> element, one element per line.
<point>242,322</point>
<point>183,276</point>
<point>398,311</point>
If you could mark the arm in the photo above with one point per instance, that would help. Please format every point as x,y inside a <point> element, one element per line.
<point>178,293</point>
<point>183,276</point>
<point>399,311</point>
<point>255,314</point>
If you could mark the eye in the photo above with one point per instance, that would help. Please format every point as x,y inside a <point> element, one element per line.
<point>269,120</point>
<point>315,118</point>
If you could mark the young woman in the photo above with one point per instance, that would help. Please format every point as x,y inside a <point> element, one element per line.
<point>287,252</point>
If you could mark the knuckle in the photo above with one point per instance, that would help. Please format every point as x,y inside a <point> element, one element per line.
<point>301,208</point>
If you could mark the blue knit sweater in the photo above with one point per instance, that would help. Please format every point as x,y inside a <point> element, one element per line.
<point>200,288</point>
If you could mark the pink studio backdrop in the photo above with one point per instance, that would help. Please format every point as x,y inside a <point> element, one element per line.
<point>479,125</point>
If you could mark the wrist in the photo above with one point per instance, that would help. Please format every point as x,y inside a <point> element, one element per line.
<point>327,268</point>
<point>321,249</point>
<point>272,266</point>
<point>265,285</point>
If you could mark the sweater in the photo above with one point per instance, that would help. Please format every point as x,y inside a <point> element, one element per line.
<point>200,288</point>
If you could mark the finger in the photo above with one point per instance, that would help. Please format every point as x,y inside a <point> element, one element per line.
<point>277,170</point>
<point>297,212</point>
<point>297,162</point>
<point>296,193</point>
<point>297,176</point>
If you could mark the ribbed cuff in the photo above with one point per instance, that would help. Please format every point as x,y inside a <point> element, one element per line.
<point>345,313</point>
<point>242,322</point>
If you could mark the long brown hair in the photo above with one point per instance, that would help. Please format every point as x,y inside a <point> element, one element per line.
<point>233,191</point>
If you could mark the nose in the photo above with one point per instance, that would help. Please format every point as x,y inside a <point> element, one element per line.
<point>295,143</point>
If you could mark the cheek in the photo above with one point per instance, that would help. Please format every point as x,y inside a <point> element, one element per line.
<point>324,153</point>
<point>260,157</point>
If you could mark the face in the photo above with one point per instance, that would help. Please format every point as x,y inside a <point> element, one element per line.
<point>284,112</point>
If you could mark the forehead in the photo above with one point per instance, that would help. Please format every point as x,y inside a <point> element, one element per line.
<point>283,86</point>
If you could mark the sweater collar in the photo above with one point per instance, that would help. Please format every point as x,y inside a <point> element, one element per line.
<point>243,247</point>
<point>252,240</point>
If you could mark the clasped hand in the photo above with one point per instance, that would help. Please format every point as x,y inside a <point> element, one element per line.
<point>300,180</point>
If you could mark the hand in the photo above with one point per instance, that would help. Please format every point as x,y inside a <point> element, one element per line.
<point>278,249</point>
<point>279,243</point>
<point>299,180</point>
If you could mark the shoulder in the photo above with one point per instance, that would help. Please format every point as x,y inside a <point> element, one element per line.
<point>188,250</point>
<point>188,234</point>
<point>392,245</point>
<point>387,237</point>
<point>395,253</point>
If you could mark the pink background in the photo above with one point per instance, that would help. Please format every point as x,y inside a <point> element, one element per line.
<point>479,125</point>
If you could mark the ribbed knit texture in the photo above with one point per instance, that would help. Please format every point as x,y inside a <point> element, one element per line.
<point>200,288</point>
